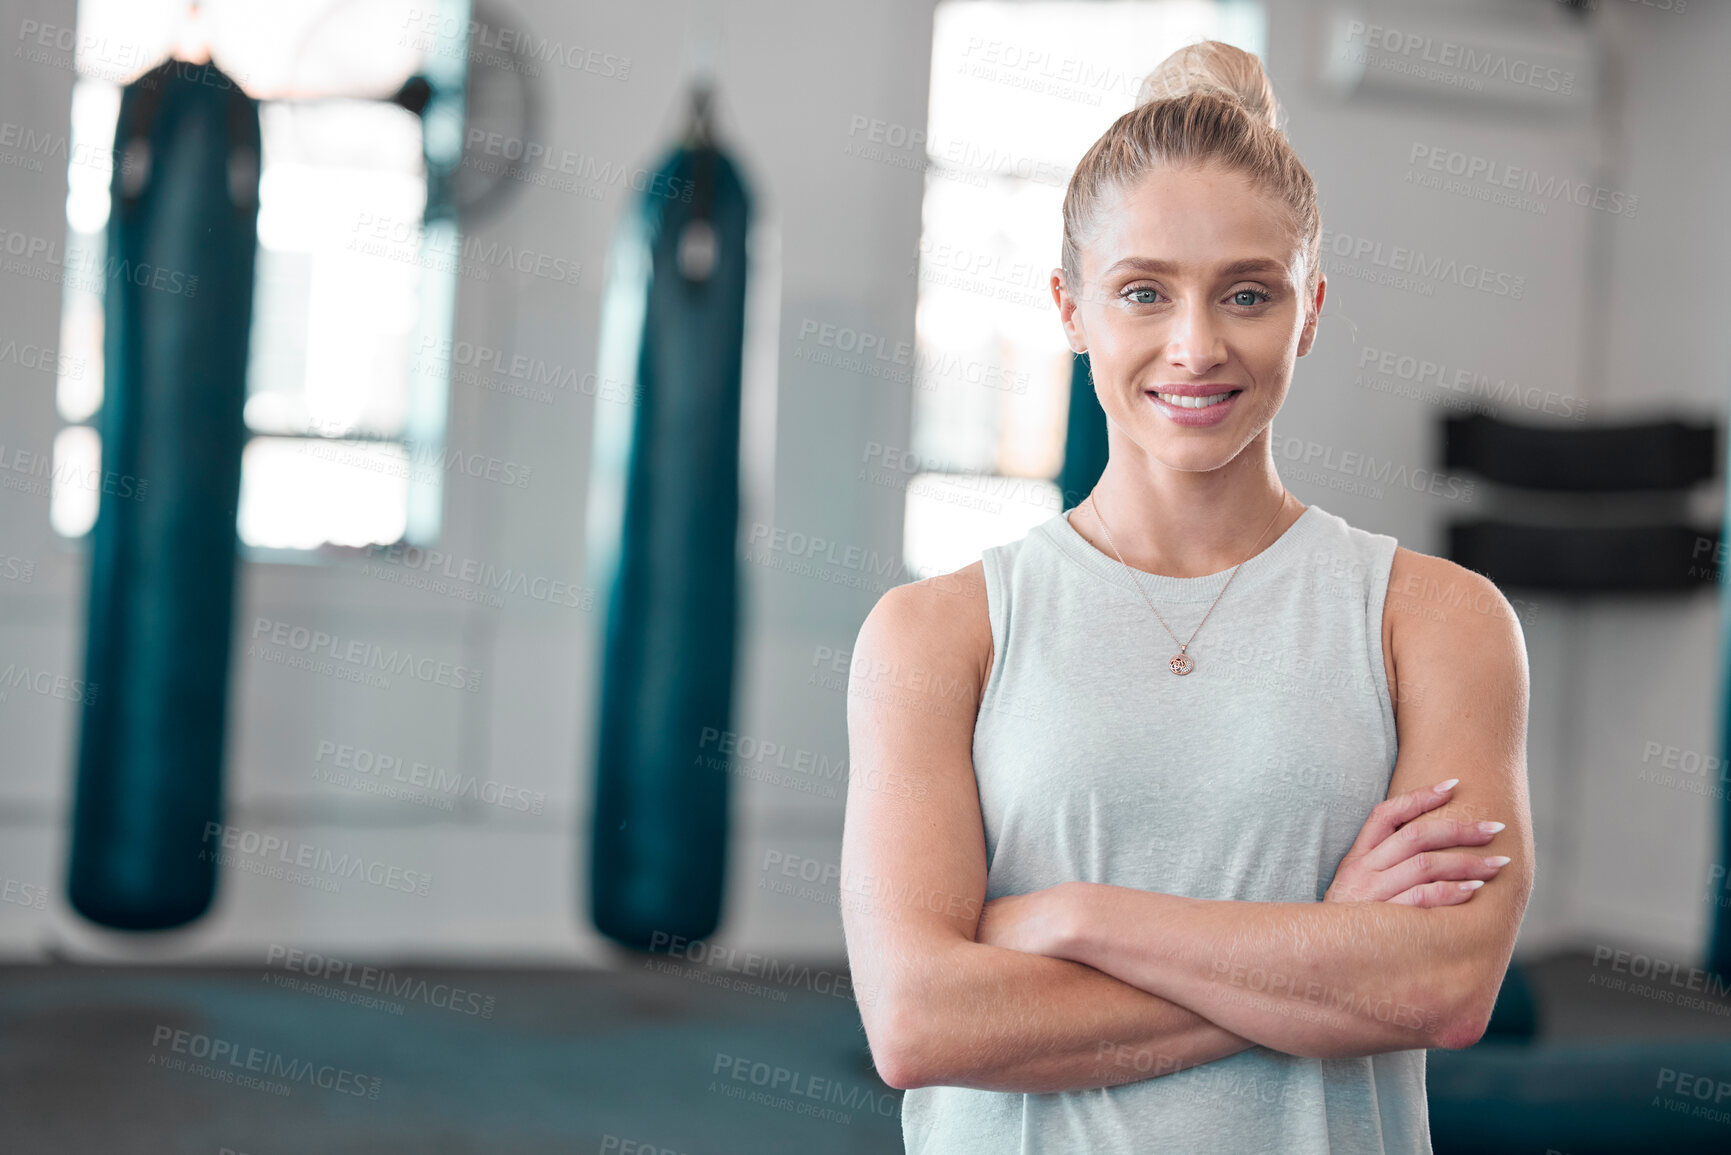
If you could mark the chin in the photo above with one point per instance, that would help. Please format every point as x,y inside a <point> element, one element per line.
<point>1199,466</point>
<point>1196,458</point>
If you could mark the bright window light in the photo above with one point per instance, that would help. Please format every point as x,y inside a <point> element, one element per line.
<point>952,517</point>
<point>330,342</point>
<point>76,485</point>
<point>299,493</point>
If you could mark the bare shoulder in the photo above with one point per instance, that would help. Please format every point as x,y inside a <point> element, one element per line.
<point>1446,627</point>
<point>1437,591</point>
<point>935,628</point>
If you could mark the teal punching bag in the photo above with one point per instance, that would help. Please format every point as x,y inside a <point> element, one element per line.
<point>182,233</point>
<point>1085,447</point>
<point>1719,871</point>
<point>663,529</point>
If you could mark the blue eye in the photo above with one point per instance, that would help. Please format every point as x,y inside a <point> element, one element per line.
<point>1133,295</point>
<point>1249,298</point>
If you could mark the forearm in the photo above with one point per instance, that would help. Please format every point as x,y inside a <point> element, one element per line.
<point>1318,979</point>
<point>973,1015</point>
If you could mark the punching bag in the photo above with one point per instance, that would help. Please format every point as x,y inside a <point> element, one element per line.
<point>1719,870</point>
<point>1085,446</point>
<point>663,530</point>
<point>182,232</point>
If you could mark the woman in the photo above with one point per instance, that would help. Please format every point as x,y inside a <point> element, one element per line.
<point>1198,867</point>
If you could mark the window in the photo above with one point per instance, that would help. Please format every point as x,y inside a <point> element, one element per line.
<point>1019,91</point>
<point>345,401</point>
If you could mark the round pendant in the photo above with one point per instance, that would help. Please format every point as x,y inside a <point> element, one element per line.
<point>1181,663</point>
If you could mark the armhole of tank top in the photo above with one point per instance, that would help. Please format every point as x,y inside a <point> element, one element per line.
<point>997,600</point>
<point>1381,572</point>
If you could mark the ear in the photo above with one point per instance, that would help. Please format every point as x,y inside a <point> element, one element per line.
<point>1307,338</point>
<point>1069,312</point>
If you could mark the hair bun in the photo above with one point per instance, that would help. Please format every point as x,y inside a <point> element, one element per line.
<point>1210,65</point>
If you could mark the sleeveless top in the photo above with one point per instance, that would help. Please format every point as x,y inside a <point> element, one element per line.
<point>1246,779</point>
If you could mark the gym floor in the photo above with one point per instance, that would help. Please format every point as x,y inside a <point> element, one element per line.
<point>649,1059</point>
<point>638,1062</point>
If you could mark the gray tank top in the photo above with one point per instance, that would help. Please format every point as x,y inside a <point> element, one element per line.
<point>1246,779</point>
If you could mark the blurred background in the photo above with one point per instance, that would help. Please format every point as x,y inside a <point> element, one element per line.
<point>499,818</point>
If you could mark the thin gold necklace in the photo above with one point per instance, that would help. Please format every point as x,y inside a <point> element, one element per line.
<point>1181,663</point>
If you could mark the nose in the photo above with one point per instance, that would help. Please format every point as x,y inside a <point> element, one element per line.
<point>1195,343</point>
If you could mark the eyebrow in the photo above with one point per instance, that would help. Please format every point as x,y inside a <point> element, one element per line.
<point>1236,268</point>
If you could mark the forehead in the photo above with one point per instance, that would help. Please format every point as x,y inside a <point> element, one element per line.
<point>1201,220</point>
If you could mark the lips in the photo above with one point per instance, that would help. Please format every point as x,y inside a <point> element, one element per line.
<point>1195,405</point>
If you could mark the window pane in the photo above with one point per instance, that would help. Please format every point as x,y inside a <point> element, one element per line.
<point>952,517</point>
<point>299,494</point>
<point>90,159</point>
<point>89,169</point>
<point>332,323</point>
<point>290,48</point>
<point>77,481</point>
<point>120,40</point>
<point>78,384</point>
<point>273,48</point>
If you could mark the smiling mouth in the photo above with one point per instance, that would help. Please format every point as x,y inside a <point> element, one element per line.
<point>1183,401</point>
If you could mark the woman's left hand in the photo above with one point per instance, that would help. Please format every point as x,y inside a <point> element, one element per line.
<point>1040,922</point>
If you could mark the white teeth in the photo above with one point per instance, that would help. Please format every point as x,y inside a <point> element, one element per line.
<point>1192,402</point>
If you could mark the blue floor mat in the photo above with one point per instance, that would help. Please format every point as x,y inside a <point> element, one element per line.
<point>566,1062</point>
<point>1671,1097</point>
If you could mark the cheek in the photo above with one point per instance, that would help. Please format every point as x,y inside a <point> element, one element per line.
<point>1274,347</point>
<point>1125,336</point>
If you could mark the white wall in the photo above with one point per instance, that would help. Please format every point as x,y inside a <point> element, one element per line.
<point>39,618</point>
<point>1619,859</point>
<point>1604,318</point>
<point>1639,853</point>
<point>508,885</point>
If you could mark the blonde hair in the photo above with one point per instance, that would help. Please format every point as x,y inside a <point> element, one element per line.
<point>1207,103</point>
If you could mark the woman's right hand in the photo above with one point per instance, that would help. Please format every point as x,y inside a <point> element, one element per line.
<point>1401,857</point>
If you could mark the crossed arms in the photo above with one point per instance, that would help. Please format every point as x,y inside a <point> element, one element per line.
<point>1087,985</point>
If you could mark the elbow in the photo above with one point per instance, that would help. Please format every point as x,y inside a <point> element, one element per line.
<point>898,1072</point>
<point>917,1039</point>
<point>1461,1030</point>
<point>900,1041</point>
<point>1475,979</point>
<point>1468,1013</point>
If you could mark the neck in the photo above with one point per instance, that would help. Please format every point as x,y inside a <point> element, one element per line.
<point>1183,523</point>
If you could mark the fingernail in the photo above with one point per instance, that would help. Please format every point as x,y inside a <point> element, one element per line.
<point>1445,787</point>
<point>1498,860</point>
<point>1491,827</point>
<point>1473,885</point>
